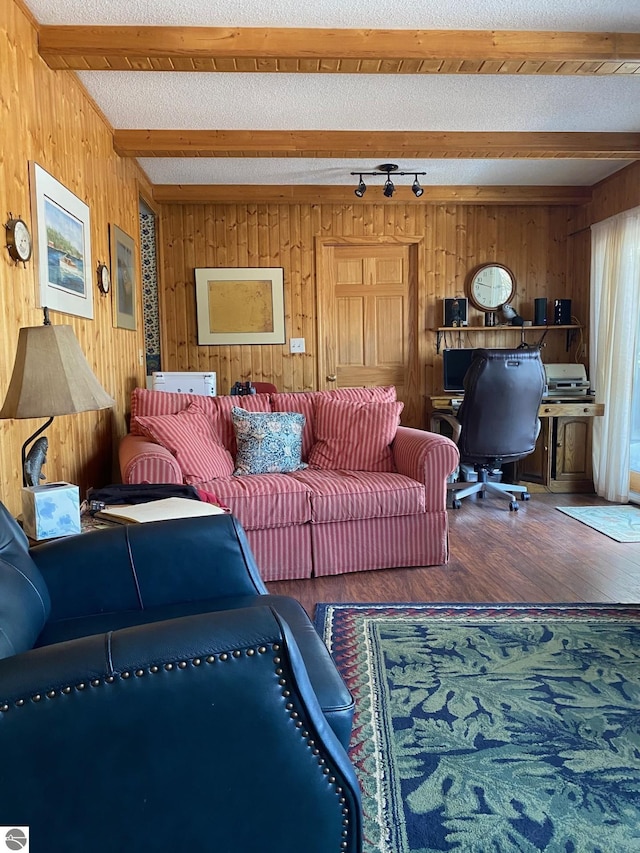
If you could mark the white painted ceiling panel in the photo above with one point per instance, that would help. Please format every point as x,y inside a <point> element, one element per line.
<point>275,101</point>
<point>576,15</point>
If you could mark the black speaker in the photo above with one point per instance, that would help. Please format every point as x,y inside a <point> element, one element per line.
<point>540,312</point>
<point>562,312</point>
<point>455,312</point>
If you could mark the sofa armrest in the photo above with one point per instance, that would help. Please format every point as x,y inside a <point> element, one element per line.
<point>144,461</point>
<point>428,458</point>
<point>211,712</point>
<point>134,566</point>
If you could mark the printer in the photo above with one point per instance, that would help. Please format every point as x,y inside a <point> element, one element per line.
<point>185,383</point>
<point>566,380</point>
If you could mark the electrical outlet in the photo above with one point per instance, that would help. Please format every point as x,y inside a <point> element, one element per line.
<point>141,356</point>
<point>296,345</point>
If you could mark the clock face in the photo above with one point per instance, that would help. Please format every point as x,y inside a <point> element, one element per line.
<point>491,286</point>
<point>104,279</point>
<point>18,240</point>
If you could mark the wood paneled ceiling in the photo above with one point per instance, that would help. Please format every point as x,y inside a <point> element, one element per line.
<point>354,52</point>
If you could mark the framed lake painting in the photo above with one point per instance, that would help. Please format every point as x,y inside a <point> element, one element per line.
<point>62,246</point>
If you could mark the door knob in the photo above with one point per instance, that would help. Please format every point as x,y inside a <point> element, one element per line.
<point>332,377</point>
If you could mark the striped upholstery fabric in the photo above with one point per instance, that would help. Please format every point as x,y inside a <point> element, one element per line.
<point>151,403</point>
<point>283,553</point>
<point>146,403</point>
<point>189,436</point>
<point>379,543</point>
<point>144,461</point>
<point>265,500</point>
<point>354,435</point>
<point>428,458</point>
<point>348,495</point>
<point>305,403</point>
<point>318,522</point>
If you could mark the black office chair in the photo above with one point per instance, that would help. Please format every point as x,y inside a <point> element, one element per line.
<point>498,422</point>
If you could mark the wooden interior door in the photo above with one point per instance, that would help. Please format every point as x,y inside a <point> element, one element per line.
<point>367,318</point>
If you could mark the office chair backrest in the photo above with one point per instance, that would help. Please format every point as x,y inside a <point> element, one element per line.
<point>499,414</point>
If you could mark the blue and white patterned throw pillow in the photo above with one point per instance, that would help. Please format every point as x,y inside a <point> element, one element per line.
<point>268,442</point>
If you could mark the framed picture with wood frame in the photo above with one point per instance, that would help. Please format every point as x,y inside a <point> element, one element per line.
<point>123,278</point>
<point>63,246</point>
<point>240,305</point>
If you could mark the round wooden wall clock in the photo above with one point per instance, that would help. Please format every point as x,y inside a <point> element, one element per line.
<point>19,243</point>
<point>104,279</point>
<point>490,286</point>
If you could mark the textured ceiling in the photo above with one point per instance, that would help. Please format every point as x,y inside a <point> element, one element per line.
<point>371,102</point>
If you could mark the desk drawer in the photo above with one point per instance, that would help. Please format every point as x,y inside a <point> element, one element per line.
<point>571,410</point>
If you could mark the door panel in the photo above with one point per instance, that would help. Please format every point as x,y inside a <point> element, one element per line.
<point>367,318</point>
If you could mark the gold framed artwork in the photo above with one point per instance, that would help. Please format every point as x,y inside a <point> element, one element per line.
<point>63,246</point>
<point>123,278</point>
<point>240,305</point>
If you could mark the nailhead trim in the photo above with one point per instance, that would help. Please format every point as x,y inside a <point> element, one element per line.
<point>311,744</point>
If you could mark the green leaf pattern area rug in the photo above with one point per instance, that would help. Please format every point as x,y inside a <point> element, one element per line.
<point>495,728</point>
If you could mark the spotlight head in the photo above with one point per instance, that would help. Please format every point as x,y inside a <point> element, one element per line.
<point>416,189</point>
<point>361,189</point>
<point>388,188</point>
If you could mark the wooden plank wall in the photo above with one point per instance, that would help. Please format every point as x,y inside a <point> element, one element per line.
<point>533,241</point>
<point>47,116</point>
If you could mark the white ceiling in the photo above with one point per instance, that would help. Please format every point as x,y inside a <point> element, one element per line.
<point>428,102</point>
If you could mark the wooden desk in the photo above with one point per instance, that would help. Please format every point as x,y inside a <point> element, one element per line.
<point>561,461</point>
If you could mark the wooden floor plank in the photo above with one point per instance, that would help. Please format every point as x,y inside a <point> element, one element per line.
<point>535,555</point>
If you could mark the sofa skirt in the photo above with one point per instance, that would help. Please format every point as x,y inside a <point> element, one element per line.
<point>282,553</point>
<point>380,543</point>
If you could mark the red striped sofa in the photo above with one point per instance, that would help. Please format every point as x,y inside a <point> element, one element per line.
<point>315,522</point>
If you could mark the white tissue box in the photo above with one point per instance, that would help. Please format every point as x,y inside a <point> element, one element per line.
<point>51,510</point>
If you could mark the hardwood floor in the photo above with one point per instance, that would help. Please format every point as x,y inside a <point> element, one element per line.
<point>535,555</point>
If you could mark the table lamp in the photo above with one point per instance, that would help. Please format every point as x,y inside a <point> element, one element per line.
<point>51,376</point>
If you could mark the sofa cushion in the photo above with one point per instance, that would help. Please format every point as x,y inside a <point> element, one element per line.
<point>24,597</point>
<point>190,437</point>
<point>349,495</point>
<point>145,403</point>
<point>355,436</point>
<point>265,500</point>
<point>305,401</point>
<point>268,442</point>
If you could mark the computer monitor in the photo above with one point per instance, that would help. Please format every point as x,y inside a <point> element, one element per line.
<point>455,363</point>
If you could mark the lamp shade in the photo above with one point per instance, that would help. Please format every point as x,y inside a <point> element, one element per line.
<point>51,376</point>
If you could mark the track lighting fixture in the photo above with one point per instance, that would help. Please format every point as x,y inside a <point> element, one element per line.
<point>361,189</point>
<point>387,169</point>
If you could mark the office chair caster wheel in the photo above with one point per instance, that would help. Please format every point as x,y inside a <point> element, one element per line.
<point>456,503</point>
<point>513,506</point>
<point>525,496</point>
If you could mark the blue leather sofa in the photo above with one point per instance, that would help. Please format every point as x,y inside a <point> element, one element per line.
<point>154,697</point>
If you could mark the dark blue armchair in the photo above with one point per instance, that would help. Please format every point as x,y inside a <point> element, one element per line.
<point>154,697</point>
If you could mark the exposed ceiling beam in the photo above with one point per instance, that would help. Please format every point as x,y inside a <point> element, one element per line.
<point>351,51</point>
<point>347,143</point>
<point>312,194</point>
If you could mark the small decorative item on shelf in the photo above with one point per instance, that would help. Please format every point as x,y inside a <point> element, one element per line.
<point>511,316</point>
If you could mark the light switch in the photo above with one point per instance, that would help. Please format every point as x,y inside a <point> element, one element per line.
<point>296,345</point>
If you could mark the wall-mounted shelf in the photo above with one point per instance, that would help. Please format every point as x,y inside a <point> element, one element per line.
<point>506,327</point>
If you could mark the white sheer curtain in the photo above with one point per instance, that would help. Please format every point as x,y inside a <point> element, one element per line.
<point>615,311</point>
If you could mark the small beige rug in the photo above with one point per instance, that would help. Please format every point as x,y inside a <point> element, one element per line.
<point>620,522</point>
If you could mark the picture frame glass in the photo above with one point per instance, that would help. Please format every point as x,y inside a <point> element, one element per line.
<point>62,246</point>
<point>240,305</point>
<point>123,278</point>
